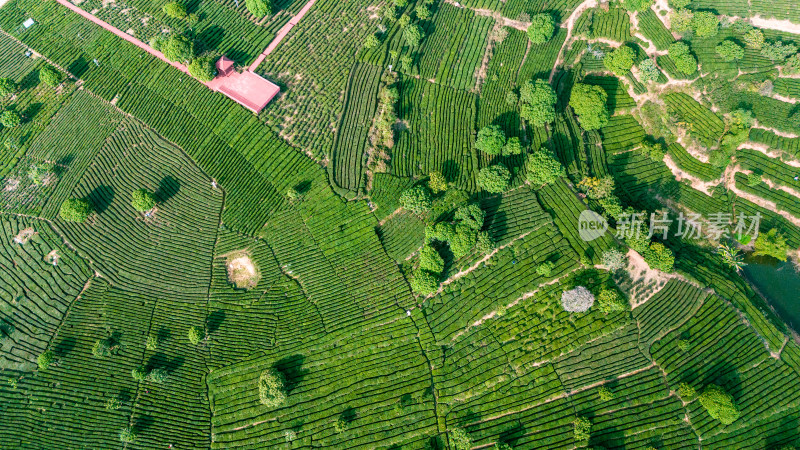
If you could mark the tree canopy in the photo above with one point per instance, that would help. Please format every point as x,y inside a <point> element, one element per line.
<point>10,119</point>
<point>537,102</point>
<point>413,34</point>
<point>637,5</point>
<point>543,168</point>
<point>620,60</point>
<point>705,23</point>
<point>75,210</point>
<point>143,200</point>
<point>177,48</point>
<point>203,69</point>
<point>682,57</point>
<point>649,70</point>
<point>416,199</point>
<point>541,28</point>
<point>7,86</point>
<point>176,10</point>
<point>259,8</point>
<point>272,388</point>
<point>589,103</point>
<point>719,404</point>
<point>729,50</point>
<point>491,140</point>
<point>50,76</point>
<point>494,178</point>
<point>771,244</point>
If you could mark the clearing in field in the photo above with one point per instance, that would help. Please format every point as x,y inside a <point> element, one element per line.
<point>242,272</point>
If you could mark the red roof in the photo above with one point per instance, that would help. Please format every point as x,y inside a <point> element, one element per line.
<point>224,64</point>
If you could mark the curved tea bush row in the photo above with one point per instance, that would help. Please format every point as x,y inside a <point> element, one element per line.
<point>621,134</point>
<point>666,310</point>
<point>771,168</point>
<point>692,165</point>
<point>613,24</point>
<point>788,145</point>
<point>402,235</point>
<point>699,120</point>
<point>653,29</point>
<point>783,200</point>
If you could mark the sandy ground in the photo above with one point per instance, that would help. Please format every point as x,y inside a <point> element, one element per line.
<point>705,187</point>
<point>242,272</point>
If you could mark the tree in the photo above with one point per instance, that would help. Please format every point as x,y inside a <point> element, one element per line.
<point>778,51</point>
<point>75,210</point>
<point>620,60</point>
<point>50,76</point>
<point>513,147</point>
<point>597,188</point>
<point>424,282</point>
<point>686,392</point>
<point>437,182</point>
<point>430,260</point>
<point>653,150</point>
<point>483,242</point>
<point>649,70</point>
<point>610,301</point>
<point>494,179</point>
<point>771,244</point>
<point>7,86</point>
<point>422,12</point>
<point>102,348</point>
<point>719,404</point>
<point>541,28</point>
<point>683,59</point>
<point>195,334</point>
<point>203,69</point>
<point>545,269</point>
<point>177,48</point>
<point>543,168</point>
<point>413,35</point>
<point>512,99</point>
<point>152,342</point>
<point>176,10</point>
<point>272,388</point>
<point>582,428</point>
<point>637,5</point>
<point>259,8</point>
<point>491,140</point>
<point>139,373</point>
<point>46,359</point>
<point>158,375</point>
<point>537,102</point>
<point>371,41</point>
<point>113,404</point>
<point>792,65</point>
<point>462,240</point>
<point>471,216</point>
<point>605,394</point>
<point>754,179</point>
<point>589,103</point>
<point>143,200</point>
<point>459,439</point>
<point>614,259</point>
<point>754,38</point>
<point>681,20</point>
<point>404,21</point>
<point>10,119</point>
<point>731,256</point>
<point>659,257</point>
<point>578,299</point>
<point>705,24</point>
<point>729,51</point>
<point>127,435</point>
<point>416,199</point>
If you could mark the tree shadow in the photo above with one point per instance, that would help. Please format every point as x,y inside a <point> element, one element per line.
<point>31,111</point>
<point>303,187</point>
<point>214,320</point>
<point>101,198</point>
<point>78,67</point>
<point>292,369</point>
<point>348,415</point>
<point>513,434</point>
<point>64,347</point>
<point>63,164</point>
<point>451,170</point>
<point>161,361</point>
<point>210,39</point>
<point>167,188</point>
<point>143,423</point>
<point>163,335</point>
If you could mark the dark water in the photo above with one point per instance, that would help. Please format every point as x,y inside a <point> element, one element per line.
<point>779,283</point>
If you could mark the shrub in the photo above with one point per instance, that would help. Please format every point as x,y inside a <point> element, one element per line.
<point>416,199</point>
<point>771,244</point>
<point>127,435</point>
<point>589,103</point>
<point>545,269</point>
<point>101,348</point>
<point>754,38</point>
<point>778,51</point>
<point>10,119</point>
<point>620,60</point>
<point>459,439</point>
<point>158,375</point>
<point>683,59</point>
<point>430,260</point>
<point>681,20</point>
<point>659,257</point>
<point>543,168</point>
<point>413,34</point>
<point>541,28</point>
<point>272,388</point>
<point>537,102</point>
<point>605,394</point>
<point>610,301</point>
<point>754,179</point>
<point>494,179</point>
<point>597,188</point>
<point>143,200</point>
<point>7,86</point>
<point>719,404</point>
<point>176,10</point>
<point>196,334</point>
<point>582,428</point>
<point>50,76</point>
<point>152,342</point>
<point>649,70</point>
<point>679,3</point>
<point>75,210</point>
<point>491,140</point>
<point>512,98</point>
<point>578,299</point>
<point>437,182</point>
<point>513,147</point>
<point>614,260</point>
<point>203,69</point>
<point>371,41</point>
<point>705,23</point>
<point>471,216</point>
<point>483,242</point>
<point>139,373</point>
<point>637,5</point>
<point>259,8</point>
<point>686,392</point>
<point>684,345</point>
<point>424,282</point>
<point>792,65</point>
<point>178,48</point>
<point>422,12</point>
<point>293,194</point>
<point>46,359</point>
<point>729,51</point>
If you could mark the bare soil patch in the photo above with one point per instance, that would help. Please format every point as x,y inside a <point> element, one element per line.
<point>242,272</point>
<point>24,236</point>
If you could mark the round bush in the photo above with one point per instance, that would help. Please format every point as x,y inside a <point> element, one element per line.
<point>494,179</point>
<point>143,200</point>
<point>577,300</point>
<point>75,210</point>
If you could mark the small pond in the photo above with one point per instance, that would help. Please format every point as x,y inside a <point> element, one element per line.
<point>779,282</point>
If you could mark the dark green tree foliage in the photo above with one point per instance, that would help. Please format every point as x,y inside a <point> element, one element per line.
<point>430,260</point>
<point>50,76</point>
<point>259,8</point>
<point>494,179</point>
<point>143,200</point>
<point>471,216</point>
<point>491,140</point>
<point>543,168</point>
<point>771,244</point>
<point>541,28</point>
<point>7,86</point>
<point>589,103</point>
<point>416,199</point>
<point>682,57</point>
<point>203,69</point>
<point>729,51</point>
<point>424,282</point>
<point>10,119</point>
<point>75,210</point>
<point>719,404</point>
<point>620,60</point>
<point>176,48</point>
<point>537,102</point>
<point>413,34</point>
<point>272,388</point>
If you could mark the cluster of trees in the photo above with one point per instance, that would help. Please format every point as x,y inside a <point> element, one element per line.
<point>179,48</point>
<point>412,32</point>
<point>105,347</point>
<point>701,23</point>
<point>156,375</point>
<point>383,133</point>
<point>541,28</point>
<point>620,60</point>
<point>682,57</point>
<point>9,118</point>
<point>589,103</point>
<point>492,140</point>
<point>602,190</point>
<point>78,209</point>
<point>637,5</point>
<point>754,38</point>
<point>719,404</point>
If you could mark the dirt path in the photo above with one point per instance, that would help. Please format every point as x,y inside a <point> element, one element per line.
<point>730,183</point>
<point>775,24</point>
<point>763,148</point>
<point>776,131</point>
<point>570,24</point>
<point>705,187</point>
<point>281,34</point>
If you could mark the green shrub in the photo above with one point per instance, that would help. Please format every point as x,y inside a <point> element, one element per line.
<point>10,119</point>
<point>459,439</point>
<point>637,5</point>
<point>494,179</point>
<point>46,359</point>
<point>127,435</point>
<point>589,103</point>
<point>176,10</point>
<point>729,51</point>
<point>158,375</point>
<point>620,60</point>
<point>491,140</point>
<point>545,269</point>
<point>416,199</point>
<point>649,70</point>
<point>543,168</point>
<point>143,200</point>
<point>754,38</point>
<point>686,392</point>
<point>7,86</point>
<point>196,334</point>
<point>684,345</point>
<point>50,76</point>
<point>437,182</point>
<point>424,282</point>
<point>541,28</point>
<point>178,48</point>
<point>659,257</point>
<point>75,210</point>
<point>113,404</point>
<point>705,23</point>
<point>139,373</point>
<point>152,342</point>
<point>371,41</point>
<point>272,388</point>
<point>719,404</point>
<point>582,428</point>
<point>771,244</point>
<point>203,69</point>
<point>413,35</point>
<point>430,260</point>
<point>605,394</point>
<point>259,8</point>
<point>610,301</point>
<point>537,102</point>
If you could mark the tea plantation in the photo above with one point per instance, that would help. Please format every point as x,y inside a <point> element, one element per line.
<point>460,225</point>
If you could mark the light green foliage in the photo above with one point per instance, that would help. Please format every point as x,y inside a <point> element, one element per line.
<point>597,188</point>
<point>103,348</point>
<point>259,8</point>
<point>582,428</point>
<point>404,20</point>
<point>512,99</point>
<point>686,392</point>
<point>754,38</point>
<point>502,446</point>
<point>659,257</point>
<point>729,51</point>
<point>371,41</point>
<point>620,60</point>
<point>430,260</point>
<point>754,179</point>
<point>610,301</point>
<point>176,48</point>
<point>50,76</point>
<point>771,244</point>
<point>341,425</point>
<point>463,240</point>
<point>195,335</point>
<point>459,439</point>
<point>437,182</point>
<point>143,200</point>
<point>614,259</point>
<point>494,179</point>
<point>589,103</point>
<point>413,35</point>
<point>422,11</point>
<point>491,140</point>
<point>792,65</point>
<point>416,199</point>
<point>45,359</point>
<point>424,282</point>
<point>152,342</point>
<point>127,435</point>
<point>113,404</point>
<point>483,242</point>
<point>203,69</point>
<point>681,20</point>
<point>676,4</point>
<point>778,51</point>
<point>684,345</point>
<point>543,168</point>
<point>158,375</point>
<point>705,24</point>
<point>682,57</point>
<point>471,216</point>
<point>293,195</point>
<point>75,210</point>
<point>653,150</point>
<point>176,10</point>
<point>7,86</point>
<point>649,70</point>
<point>139,373</point>
<point>731,256</point>
<point>10,119</point>
<point>719,404</point>
<point>400,3</point>
<point>637,5</point>
<point>605,394</point>
<point>545,269</point>
<point>271,388</point>
<point>541,28</point>
<point>38,172</point>
<point>513,147</point>
<point>537,102</point>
